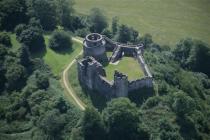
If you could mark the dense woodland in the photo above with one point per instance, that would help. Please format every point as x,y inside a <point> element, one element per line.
<point>32,105</point>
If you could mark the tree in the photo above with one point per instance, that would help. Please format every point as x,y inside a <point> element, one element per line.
<point>199,59</point>
<point>52,123</point>
<point>92,125</point>
<point>193,55</point>
<point>24,55</point>
<point>146,40</point>
<point>12,13</point>
<point>5,39</point>
<point>107,33</point>
<point>168,131</point>
<point>182,51</point>
<point>121,118</point>
<point>19,29</point>
<point>82,32</point>
<point>61,105</point>
<point>33,38</point>
<point>183,104</point>
<point>45,11</point>
<point>115,25</point>
<point>15,76</point>
<point>3,52</point>
<point>34,22</point>
<point>98,21</point>
<point>123,34</point>
<point>60,40</point>
<point>134,34</point>
<point>65,11</point>
<point>42,80</point>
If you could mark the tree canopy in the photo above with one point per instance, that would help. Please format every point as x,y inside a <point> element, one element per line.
<point>60,40</point>
<point>98,21</point>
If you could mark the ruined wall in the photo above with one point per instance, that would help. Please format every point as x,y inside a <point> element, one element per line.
<point>87,70</point>
<point>104,86</point>
<point>129,51</point>
<point>120,84</point>
<point>117,54</point>
<point>143,65</point>
<point>140,83</point>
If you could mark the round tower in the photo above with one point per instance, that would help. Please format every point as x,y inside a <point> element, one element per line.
<point>94,45</point>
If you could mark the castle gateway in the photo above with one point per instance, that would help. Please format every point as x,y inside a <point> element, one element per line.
<point>91,72</point>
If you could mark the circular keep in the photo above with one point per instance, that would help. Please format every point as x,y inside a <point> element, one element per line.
<point>94,45</point>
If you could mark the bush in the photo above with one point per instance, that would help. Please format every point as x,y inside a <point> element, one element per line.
<point>60,40</point>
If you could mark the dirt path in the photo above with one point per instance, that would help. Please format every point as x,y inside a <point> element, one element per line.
<point>66,81</point>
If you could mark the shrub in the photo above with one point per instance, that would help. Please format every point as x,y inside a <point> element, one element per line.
<point>60,40</point>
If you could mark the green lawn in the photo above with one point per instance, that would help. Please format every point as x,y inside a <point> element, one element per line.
<point>167,20</point>
<point>15,43</point>
<point>59,60</point>
<point>56,60</point>
<point>127,66</point>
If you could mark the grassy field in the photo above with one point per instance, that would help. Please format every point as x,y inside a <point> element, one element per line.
<point>127,66</point>
<point>56,60</point>
<point>167,21</point>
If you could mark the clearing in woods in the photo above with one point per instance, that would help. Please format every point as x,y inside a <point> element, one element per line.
<point>167,21</point>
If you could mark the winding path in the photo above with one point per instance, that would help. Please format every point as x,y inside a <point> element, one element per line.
<point>66,81</point>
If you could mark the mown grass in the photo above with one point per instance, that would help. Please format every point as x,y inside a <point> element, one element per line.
<point>167,21</point>
<point>128,66</point>
<point>57,61</point>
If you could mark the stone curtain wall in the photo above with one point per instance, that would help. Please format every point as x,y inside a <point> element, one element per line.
<point>103,86</point>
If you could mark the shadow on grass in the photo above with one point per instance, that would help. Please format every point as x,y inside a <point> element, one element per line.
<point>104,64</point>
<point>39,53</point>
<point>141,95</point>
<point>64,51</point>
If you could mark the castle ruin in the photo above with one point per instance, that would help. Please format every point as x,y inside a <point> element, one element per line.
<point>92,75</point>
